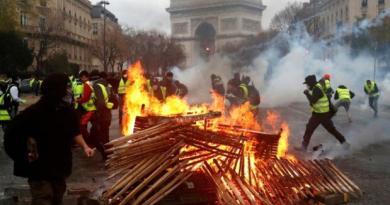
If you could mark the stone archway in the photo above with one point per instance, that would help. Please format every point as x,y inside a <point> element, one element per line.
<point>205,36</point>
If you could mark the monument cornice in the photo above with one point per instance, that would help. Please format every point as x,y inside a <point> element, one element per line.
<point>219,5</point>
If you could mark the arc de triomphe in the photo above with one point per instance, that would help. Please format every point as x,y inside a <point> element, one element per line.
<point>204,26</point>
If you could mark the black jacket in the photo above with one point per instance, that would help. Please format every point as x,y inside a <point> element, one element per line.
<point>54,128</point>
<point>102,112</point>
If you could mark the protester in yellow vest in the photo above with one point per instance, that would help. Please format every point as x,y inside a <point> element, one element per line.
<point>371,89</point>
<point>124,83</point>
<point>321,115</point>
<point>325,82</point>
<point>344,97</point>
<point>101,125</point>
<point>5,101</point>
<point>86,101</point>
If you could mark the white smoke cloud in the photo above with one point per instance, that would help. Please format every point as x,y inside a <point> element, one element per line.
<point>280,78</point>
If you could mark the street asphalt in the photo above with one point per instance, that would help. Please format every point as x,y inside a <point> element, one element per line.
<point>367,162</point>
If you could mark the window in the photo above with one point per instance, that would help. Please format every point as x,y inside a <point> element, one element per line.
<point>95,29</point>
<point>364,3</point>
<point>43,3</point>
<point>43,45</point>
<point>381,2</point>
<point>70,16</point>
<point>42,23</point>
<point>23,19</point>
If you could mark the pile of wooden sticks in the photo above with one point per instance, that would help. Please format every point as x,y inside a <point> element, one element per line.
<point>151,163</point>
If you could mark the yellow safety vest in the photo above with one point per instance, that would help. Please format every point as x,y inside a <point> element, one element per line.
<point>322,105</point>
<point>164,92</point>
<point>344,94</point>
<point>371,88</point>
<point>149,87</point>
<point>327,85</point>
<point>77,90</point>
<point>123,86</point>
<point>109,105</point>
<point>246,91</point>
<point>4,114</point>
<point>32,81</point>
<point>90,105</point>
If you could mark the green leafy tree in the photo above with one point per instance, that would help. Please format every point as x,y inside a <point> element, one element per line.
<point>15,55</point>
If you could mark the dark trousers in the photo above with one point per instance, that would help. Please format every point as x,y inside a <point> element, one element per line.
<point>324,120</point>
<point>373,101</point>
<point>100,131</point>
<point>120,108</point>
<point>14,110</point>
<point>47,192</point>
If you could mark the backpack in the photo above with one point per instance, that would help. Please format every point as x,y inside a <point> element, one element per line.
<point>253,95</point>
<point>6,99</point>
<point>112,97</point>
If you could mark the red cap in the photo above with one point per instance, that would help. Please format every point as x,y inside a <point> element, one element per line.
<point>327,76</point>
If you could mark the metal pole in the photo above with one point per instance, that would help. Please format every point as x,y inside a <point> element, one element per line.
<point>375,59</point>
<point>104,38</point>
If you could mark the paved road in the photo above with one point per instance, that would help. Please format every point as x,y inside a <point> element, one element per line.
<point>367,164</point>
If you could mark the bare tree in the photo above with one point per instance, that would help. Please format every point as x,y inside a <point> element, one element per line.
<point>293,13</point>
<point>155,50</point>
<point>115,48</point>
<point>49,33</point>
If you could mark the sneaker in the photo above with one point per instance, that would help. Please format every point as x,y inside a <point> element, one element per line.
<point>318,147</point>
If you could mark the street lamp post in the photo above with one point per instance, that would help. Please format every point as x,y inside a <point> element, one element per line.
<point>104,3</point>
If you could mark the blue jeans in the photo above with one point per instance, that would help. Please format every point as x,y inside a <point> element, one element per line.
<point>373,101</point>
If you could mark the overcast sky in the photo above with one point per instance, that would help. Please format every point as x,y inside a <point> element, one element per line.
<point>151,14</point>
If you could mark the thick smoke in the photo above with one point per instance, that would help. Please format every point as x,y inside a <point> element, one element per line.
<point>279,77</point>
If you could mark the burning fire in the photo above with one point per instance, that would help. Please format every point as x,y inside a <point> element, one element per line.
<point>140,102</point>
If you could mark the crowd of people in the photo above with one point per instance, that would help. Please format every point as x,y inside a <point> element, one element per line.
<point>319,94</point>
<point>240,90</point>
<point>78,109</point>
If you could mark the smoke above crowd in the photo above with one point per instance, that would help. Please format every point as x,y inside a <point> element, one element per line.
<point>279,75</point>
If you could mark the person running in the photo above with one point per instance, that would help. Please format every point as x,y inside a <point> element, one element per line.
<point>321,113</point>
<point>344,97</point>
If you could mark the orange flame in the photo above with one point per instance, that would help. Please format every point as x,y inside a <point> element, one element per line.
<point>140,102</point>
<point>138,97</point>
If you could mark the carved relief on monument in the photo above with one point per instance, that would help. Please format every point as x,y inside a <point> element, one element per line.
<point>251,25</point>
<point>180,28</point>
<point>229,24</point>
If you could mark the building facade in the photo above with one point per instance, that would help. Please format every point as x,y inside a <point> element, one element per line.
<point>203,27</point>
<point>53,26</point>
<point>327,17</point>
<point>102,19</point>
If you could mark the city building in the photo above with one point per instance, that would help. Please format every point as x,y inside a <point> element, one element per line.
<point>202,27</point>
<point>327,17</point>
<point>102,20</point>
<point>70,26</point>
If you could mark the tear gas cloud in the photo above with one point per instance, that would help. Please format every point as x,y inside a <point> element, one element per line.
<point>279,77</point>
